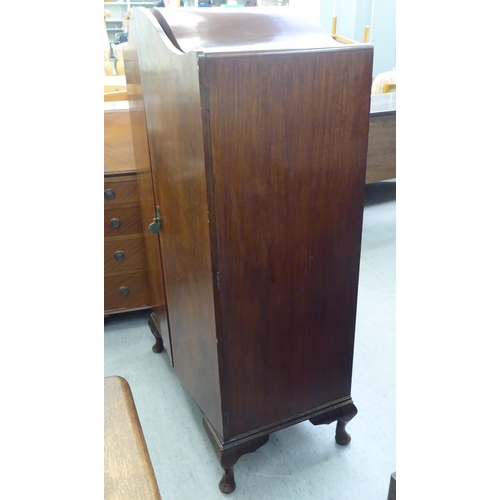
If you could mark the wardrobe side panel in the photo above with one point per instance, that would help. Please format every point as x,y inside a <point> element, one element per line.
<point>289,142</point>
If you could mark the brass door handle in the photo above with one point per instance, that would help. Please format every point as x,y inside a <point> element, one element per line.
<point>155,226</point>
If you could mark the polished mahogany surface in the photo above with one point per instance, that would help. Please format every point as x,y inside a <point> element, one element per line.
<point>146,194</point>
<point>288,184</point>
<point>171,95</point>
<point>256,29</point>
<point>257,126</point>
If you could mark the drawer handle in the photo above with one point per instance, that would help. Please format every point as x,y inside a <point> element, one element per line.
<point>124,291</point>
<point>109,194</point>
<point>115,223</point>
<point>119,256</point>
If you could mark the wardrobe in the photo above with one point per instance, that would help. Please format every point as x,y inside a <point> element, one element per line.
<point>250,132</point>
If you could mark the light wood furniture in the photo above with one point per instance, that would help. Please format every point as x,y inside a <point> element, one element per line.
<point>389,87</point>
<point>384,83</point>
<point>118,54</point>
<point>126,283</point>
<point>119,95</point>
<point>257,127</point>
<point>342,39</point>
<point>128,473</point>
<point>116,83</point>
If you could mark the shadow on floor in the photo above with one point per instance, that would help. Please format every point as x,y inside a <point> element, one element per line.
<point>380,192</point>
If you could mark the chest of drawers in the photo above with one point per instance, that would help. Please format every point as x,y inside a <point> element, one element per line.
<point>126,284</point>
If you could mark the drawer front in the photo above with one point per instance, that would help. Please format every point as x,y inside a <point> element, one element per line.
<point>126,291</point>
<point>121,221</point>
<point>124,255</point>
<point>120,190</point>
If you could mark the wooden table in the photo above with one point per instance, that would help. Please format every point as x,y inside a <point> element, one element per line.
<point>128,473</point>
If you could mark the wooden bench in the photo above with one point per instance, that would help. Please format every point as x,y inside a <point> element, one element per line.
<point>128,472</point>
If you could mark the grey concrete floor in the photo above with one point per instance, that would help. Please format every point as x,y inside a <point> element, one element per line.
<point>302,461</point>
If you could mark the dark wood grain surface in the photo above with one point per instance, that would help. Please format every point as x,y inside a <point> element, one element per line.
<point>289,147</point>
<point>258,142</point>
<point>226,30</point>
<point>128,473</point>
<point>147,195</point>
<point>171,94</point>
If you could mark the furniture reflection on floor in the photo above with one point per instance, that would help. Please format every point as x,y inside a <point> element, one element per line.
<point>128,473</point>
<point>126,283</point>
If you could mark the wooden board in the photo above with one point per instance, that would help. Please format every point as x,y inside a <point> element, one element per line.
<point>128,473</point>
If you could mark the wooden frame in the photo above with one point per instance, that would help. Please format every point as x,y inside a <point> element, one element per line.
<point>389,87</point>
<point>115,96</point>
<point>341,39</point>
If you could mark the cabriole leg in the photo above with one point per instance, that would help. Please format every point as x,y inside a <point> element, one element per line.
<point>229,453</point>
<point>342,437</point>
<point>158,347</point>
<point>227,484</point>
<point>341,415</point>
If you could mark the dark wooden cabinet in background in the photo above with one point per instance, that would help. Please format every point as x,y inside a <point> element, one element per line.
<point>256,125</point>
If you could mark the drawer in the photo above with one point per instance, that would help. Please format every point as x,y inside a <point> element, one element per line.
<point>121,221</point>
<point>126,291</point>
<point>118,190</point>
<point>123,255</point>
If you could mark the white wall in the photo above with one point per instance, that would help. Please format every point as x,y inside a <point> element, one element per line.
<point>352,17</point>
<point>312,7</point>
<point>384,35</point>
<point>380,15</point>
